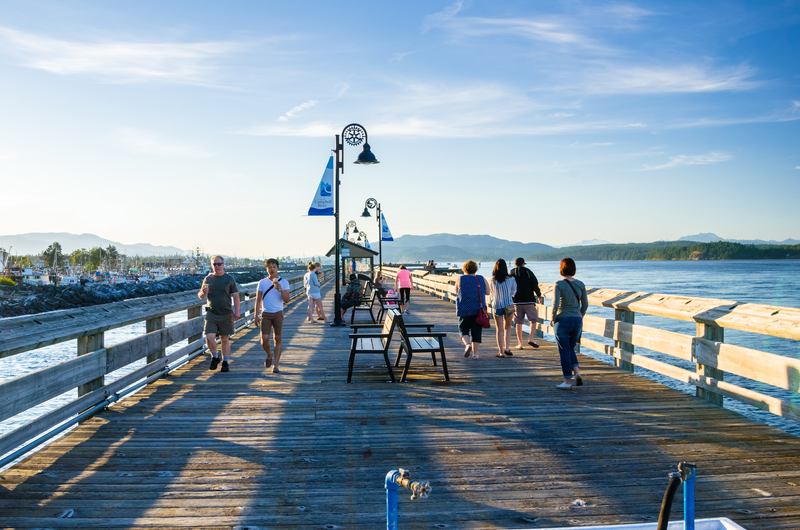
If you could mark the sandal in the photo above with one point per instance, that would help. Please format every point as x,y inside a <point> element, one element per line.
<point>468,351</point>
<point>500,355</point>
<point>508,353</point>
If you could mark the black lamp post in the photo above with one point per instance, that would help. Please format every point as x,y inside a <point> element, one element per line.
<point>372,204</point>
<point>354,134</point>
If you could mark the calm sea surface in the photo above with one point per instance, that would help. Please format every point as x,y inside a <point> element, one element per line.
<point>773,282</point>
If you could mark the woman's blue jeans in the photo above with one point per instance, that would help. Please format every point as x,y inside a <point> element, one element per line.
<point>568,331</point>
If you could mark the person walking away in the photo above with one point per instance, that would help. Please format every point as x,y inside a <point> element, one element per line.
<point>312,285</point>
<point>352,295</point>
<point>218,289</point>
<point>570,304</point>
<point>528,293</point>
<point>403,285</point>
<point>273,292</point>
<point>470,298</point>
<point>502,288</point>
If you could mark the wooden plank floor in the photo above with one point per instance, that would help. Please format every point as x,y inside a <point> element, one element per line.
<point>302,449</point>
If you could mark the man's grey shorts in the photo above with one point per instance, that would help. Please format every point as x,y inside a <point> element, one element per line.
<point>221,324</point>
<point>525,309</point>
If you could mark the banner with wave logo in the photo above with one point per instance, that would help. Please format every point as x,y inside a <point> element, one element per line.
<point>323,200</point>
<point>386,234</point>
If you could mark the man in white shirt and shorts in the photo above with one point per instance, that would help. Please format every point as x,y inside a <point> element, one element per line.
<point>273,292</point>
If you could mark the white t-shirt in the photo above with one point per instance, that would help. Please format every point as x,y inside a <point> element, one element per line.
<point>272,301</point>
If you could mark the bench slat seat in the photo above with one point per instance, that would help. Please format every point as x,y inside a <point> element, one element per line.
<point>428,342</point>
<point>373,343</point>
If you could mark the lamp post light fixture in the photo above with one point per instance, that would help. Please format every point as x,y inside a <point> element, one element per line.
<point>351,231</point>
<point>372,204</point>
<point>354,135</point>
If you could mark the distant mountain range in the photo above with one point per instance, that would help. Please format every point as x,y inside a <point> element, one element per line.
<point>456,247</point>
<point>451,247</point>
<point>36,242</point>
<point>709,237</point>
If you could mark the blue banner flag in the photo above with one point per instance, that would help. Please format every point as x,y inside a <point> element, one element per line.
<point>386,234</point>
<point>323,200</point>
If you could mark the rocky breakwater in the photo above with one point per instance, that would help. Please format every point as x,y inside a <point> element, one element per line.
<point>32,300</point>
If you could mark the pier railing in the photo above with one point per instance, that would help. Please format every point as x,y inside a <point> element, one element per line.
<point>87,372</point>
<point>712,357</point>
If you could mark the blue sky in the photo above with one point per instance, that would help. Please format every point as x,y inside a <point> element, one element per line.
<point>209,124</point>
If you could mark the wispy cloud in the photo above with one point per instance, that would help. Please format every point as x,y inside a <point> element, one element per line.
<point>713,157</point>
<point>119,61</point>
<point>400,56</point>
<point>476,110</point>
<point>622,79</point>
<point>298,110</point>
<point>151,143</point>
<point>437,19</point>
<point>541,30</point>
<point>570,47</point>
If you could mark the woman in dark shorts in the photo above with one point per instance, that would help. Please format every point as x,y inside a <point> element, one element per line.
<point>470,297</point>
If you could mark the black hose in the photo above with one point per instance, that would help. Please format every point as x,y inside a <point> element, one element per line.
<point>666,504</point>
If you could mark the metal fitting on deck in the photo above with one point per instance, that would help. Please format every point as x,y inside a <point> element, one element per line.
<point>401,477</point>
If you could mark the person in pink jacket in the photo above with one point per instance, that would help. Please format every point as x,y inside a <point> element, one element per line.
<point>403,285</point>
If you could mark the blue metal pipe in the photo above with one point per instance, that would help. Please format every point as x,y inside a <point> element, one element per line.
<point>394,479</point>
<point>391,499</point>
<point>689,476</point>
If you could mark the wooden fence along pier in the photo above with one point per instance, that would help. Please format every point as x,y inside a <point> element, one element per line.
<point>502,447</point>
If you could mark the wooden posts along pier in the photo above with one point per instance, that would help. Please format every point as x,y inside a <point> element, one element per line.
<point>502,447</point>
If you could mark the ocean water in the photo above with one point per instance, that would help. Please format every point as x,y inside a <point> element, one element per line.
<point>769,282</point>
<point>773,282</point>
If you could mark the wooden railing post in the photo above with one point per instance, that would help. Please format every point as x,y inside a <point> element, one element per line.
<point>194,312</point>
<point>717,334</point>
<point>627,316</point>
<point>154,324</point>
<point>538,333</point>
<point>88,344</point>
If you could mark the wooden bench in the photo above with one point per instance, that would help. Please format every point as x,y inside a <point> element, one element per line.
<point>386,304</point>
<point>372,343</point>
<point>420,342</point>
<point>366,305</point>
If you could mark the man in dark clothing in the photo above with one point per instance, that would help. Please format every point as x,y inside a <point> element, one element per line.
<point>219,288</point>
<point>528,293</point>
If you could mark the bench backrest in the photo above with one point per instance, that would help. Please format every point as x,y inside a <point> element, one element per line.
<point>392,317</point>
<point>401,325</point>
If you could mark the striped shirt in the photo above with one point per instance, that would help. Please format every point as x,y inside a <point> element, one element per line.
<point>502,293</point>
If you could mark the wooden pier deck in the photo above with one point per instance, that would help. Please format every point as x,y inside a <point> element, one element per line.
<point>302,449</point>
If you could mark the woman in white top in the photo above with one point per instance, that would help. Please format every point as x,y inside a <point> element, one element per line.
<point>311,283</point>
<point>502,289</point>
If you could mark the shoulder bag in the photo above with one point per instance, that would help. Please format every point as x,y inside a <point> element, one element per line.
<point>482,319</point>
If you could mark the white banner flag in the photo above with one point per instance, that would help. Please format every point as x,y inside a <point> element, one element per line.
<point>386,234</point>
<point>323,200</point>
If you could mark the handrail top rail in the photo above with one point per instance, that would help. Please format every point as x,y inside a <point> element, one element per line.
<point>29,332</point>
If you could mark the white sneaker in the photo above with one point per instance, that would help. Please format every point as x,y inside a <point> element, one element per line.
<point>564,386</point>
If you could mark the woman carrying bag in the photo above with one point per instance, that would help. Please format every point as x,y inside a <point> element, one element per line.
<point>570,303</point>
<point>471,308</point>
